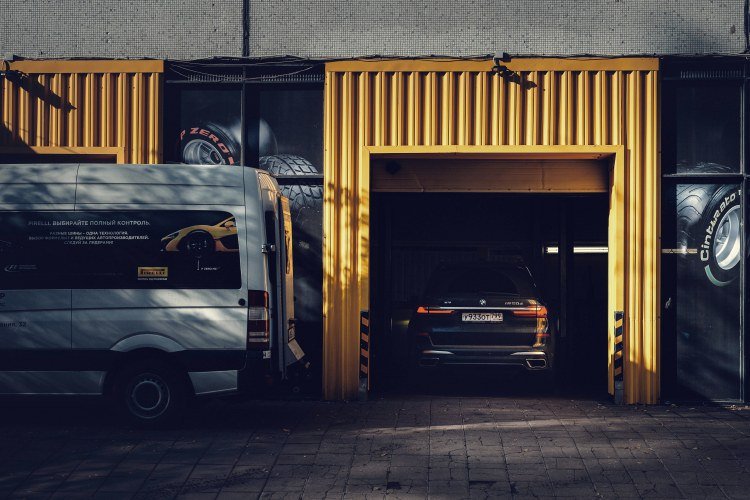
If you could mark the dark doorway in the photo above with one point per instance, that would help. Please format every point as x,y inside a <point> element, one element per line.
<point>412,233</point>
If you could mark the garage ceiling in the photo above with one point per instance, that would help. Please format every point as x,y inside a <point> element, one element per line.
<point>489,176</point>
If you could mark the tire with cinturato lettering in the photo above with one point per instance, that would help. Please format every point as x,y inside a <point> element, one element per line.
<point>709,231</point>
<point>207,144</point>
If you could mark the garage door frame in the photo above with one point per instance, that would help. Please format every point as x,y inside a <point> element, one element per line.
<point>559,106</point>
<point>614,155</point>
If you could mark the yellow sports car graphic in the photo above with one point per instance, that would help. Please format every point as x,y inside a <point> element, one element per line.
<point>203,240</point>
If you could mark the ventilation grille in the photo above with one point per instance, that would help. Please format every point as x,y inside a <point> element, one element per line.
<point>281,74</point>
<point>291,78</point>
<point>711,74</point>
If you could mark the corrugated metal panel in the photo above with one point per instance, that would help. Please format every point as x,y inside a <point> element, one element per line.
<point>84,106</point>
<point>550,102</point>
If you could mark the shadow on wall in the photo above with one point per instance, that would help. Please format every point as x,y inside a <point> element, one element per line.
<point>12,138</point>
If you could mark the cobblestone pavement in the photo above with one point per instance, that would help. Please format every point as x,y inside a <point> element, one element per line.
<point>437,447</point>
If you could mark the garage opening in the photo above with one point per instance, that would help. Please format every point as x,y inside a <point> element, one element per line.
<point>450,218</point>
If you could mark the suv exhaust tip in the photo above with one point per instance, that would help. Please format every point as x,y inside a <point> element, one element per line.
<point>536,363</point>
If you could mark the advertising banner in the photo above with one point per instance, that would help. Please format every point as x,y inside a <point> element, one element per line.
<point>128,249</point>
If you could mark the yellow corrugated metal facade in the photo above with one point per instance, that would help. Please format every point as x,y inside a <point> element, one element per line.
<point>84,107</point>
<point>547,103</point>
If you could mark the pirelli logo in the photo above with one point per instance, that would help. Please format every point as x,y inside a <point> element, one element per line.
<point>153,273</point>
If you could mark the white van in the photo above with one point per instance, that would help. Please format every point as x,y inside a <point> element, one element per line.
<point>147,283</point>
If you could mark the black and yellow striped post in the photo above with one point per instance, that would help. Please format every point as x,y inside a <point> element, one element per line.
<point>617,361</point>
<point>364,354</point>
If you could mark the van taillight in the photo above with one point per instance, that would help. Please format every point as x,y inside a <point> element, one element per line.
<point>258,328</point>
<point>257,298</point>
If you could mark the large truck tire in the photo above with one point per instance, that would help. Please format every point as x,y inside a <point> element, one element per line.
<point>207,144</point>
<point>300,196</point>
<point>306,207</point>
<point>709,233</point>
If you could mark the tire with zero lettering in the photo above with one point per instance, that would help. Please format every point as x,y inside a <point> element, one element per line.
<point>207,144</point>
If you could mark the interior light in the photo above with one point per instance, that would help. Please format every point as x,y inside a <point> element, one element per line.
<point>581,249</point>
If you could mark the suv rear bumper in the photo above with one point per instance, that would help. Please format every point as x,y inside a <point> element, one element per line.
<point>529,359</point>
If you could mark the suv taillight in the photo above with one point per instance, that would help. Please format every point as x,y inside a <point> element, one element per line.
<point>433,310</point>
<point>539,312</point>
<point>258,328</point>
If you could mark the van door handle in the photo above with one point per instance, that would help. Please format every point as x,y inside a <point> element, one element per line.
<point>241,302</point>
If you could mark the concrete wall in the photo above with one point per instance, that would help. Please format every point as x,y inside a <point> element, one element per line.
<point>350,28</point>
<point>190,29</point>
<point>160,29</point>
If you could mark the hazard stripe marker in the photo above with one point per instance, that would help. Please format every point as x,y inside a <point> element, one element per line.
<point>618,357</point>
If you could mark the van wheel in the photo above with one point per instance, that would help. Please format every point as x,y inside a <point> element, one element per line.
<point>199,244</point>
<point>150,393</point>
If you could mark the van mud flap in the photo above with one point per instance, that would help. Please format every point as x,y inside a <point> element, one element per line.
<point>294,352</point>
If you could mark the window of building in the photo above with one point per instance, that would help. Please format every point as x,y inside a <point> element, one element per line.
<point>703,230</point>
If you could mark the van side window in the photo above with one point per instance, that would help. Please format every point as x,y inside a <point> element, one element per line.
<point>119,249</point>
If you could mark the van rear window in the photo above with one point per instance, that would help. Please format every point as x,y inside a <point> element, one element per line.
<point>124,249</point>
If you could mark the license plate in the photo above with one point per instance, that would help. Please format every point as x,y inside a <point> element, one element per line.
<point>482,317</point>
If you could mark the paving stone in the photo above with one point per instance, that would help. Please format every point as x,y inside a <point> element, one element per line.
<point>441,447</point>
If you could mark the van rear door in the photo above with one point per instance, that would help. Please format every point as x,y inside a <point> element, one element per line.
<point>289,351</point>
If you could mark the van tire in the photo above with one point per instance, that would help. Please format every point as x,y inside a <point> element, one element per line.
<point>150,393</point>
<point>199,244</point>
<point>703,210</point>
<point>300,196</point>
<point>207,144</point>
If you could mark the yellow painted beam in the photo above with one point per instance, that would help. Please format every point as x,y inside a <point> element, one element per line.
<point>117,153</point>
<point>485,65</point>
<point>75,66</point>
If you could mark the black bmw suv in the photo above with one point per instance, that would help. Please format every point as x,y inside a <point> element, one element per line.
<point>482,314</point>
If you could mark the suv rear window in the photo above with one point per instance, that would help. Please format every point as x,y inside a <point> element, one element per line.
<point>474,280</point>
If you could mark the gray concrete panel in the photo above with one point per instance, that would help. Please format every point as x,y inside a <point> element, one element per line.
<point>120,28</point>
<point>193,29</point>
<point>352,28</point>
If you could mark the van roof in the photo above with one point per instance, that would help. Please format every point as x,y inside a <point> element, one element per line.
<point>108,173</point>
<point>59,185</point>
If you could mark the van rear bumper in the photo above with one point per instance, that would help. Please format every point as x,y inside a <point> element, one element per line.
<point>218,382</point>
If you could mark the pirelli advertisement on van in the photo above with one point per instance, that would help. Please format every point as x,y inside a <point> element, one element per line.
<point>124,249</point>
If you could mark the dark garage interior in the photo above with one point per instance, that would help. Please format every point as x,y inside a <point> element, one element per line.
<point>413,233</point>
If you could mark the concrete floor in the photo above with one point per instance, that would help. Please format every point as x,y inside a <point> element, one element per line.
<point>397,446</point>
